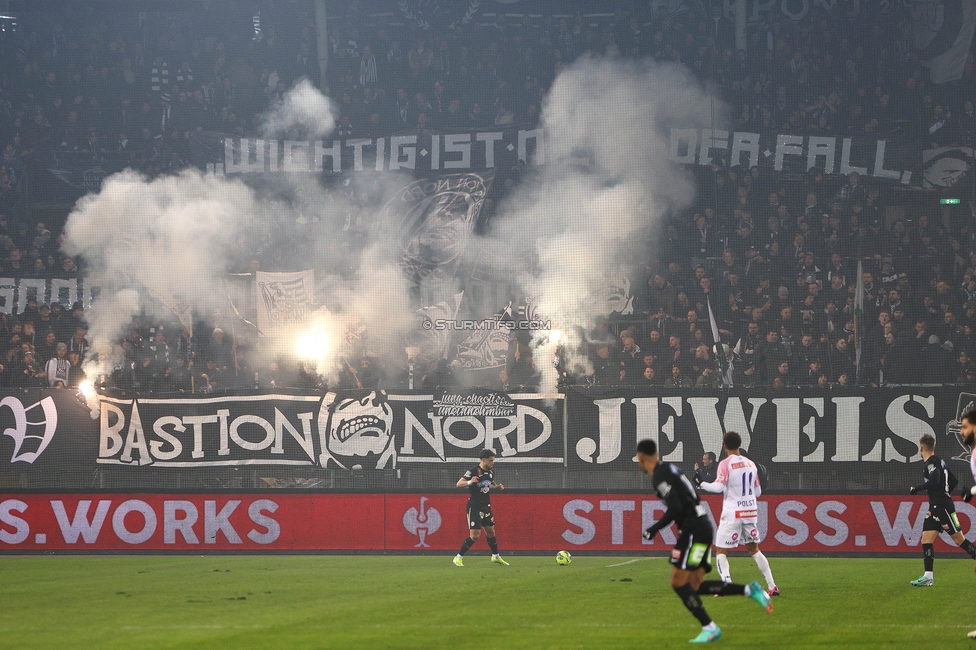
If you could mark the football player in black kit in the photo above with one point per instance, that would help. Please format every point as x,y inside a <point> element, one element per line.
<point>690,559</point>
<point>479,480</point>
<point>939,483</point>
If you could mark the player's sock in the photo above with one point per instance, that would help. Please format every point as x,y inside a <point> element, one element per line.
<point>493,545</point>
<point>763,565</point>
<point>711,627</point>
<point>721,588</point>
<point>928,558</point>
<point>969,547</point>
<point>466,545</point>
<point>723,567</point>
<point>694,604</point>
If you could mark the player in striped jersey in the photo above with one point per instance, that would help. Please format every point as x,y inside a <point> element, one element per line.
<point>738,479</point>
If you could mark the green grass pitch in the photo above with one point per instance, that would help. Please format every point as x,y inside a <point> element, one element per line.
<point>425,602</point>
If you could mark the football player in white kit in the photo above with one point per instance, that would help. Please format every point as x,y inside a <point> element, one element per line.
<point>738,479</point>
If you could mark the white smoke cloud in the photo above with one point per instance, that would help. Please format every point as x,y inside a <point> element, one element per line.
<point>163,245</point>
<point>587,213</point>
<point>303,112</point>
<point>366,313</point>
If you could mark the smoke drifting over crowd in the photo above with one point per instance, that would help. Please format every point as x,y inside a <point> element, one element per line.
<point>303,112</point>
<point>587,214</point>
<point>163,245</point>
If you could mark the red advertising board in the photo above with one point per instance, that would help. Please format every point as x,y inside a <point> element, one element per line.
<point>276,521</point>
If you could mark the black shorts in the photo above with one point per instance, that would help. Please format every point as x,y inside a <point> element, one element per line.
<point>480,517</point>
<point>693,549</point>
<point>942,518</point>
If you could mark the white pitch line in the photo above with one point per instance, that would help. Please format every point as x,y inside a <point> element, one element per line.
<point>912,626</point>
<point>640,559</point>
<point>136,628</point>
<point>656,625</point>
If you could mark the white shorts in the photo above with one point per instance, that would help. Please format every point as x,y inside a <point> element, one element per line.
<point>733,532</point>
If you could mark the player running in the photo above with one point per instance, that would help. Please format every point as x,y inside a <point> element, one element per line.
<point>479,480</point>
<point>690,557</point>
<point>939,484</point>
<point>738,479</point>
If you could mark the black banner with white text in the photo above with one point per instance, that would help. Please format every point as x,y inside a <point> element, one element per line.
<point>801,439</point>
<point>857,441</point>
<point>362,430</point>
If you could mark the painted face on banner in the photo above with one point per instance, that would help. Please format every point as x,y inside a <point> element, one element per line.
<point>434,221</point>
<point>360,427</point>
<point>614,298</point>
<point>946,166</point>
<point>946,172</point>
<point>447,219</point>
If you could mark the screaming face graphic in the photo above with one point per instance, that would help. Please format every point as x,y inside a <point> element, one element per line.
<point>359,428</point>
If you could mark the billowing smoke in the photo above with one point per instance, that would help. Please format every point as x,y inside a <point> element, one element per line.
<point>303,113</point>
<point>586,215</point>
<point>162,246</point>
<point>157,244</point>
<point>371,306</point>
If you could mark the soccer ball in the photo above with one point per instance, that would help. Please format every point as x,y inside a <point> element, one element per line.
<point>563,558</point>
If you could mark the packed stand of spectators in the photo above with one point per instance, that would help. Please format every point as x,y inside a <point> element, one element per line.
<point>774,258</point>
<point>136,85</point>
<point>43,346</point>
<point>776,263</point>
<point>46,346</point>
<point>128,86</point>
<point>161,357</point>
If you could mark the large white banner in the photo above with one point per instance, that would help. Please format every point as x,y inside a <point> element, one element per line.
<point>283,300</point>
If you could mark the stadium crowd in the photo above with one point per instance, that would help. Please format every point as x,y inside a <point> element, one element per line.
<point>775,257</point>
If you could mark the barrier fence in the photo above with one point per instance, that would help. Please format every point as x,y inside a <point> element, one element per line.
<point>528,522</point>
<point>810,441</point>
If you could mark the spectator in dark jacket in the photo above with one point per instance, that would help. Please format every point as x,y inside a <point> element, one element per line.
<point>707,470</point>
<point>840,360</point>
<point>936,362</point>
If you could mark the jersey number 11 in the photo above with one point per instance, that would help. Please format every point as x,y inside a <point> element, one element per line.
<point>746,478</point>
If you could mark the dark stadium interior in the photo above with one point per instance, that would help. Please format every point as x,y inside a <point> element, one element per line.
<point>833,153</point>
<point>88,83</point>
<point>439,323</point>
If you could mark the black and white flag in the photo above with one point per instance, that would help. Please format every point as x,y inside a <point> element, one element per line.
<point>284,299</point>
